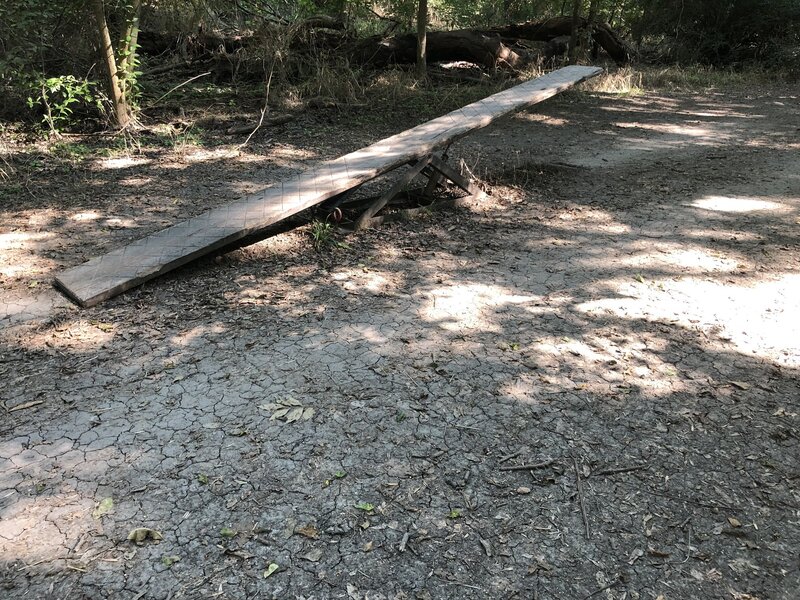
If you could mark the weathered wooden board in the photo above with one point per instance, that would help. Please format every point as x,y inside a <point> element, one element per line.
<point>120,270</point>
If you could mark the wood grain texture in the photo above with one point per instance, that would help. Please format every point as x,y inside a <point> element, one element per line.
<point>113,273</point>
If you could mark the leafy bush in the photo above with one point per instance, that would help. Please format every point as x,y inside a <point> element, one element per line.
<point>58,97</point>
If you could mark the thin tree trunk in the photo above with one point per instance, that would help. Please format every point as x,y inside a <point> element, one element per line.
<point>130,40</point>
<point>593,10</point>
<point>122,110</point>
<point>422,38</point>
<point>594,5</point>
<point>573,38</point>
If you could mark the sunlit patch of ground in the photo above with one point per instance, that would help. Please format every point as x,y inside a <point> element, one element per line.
<point>759,318</point>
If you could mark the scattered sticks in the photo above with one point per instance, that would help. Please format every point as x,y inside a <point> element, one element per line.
<point>580,498</point>
<point>529,467</point>
<point>509,457</point>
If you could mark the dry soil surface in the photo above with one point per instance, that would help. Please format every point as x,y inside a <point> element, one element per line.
<point>585,386</point>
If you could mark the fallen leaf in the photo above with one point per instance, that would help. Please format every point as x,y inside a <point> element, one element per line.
<point>368,546</point>
<point>294,414</point>
<point>281,412</point>
<point>141,534</point>
<point>308,531</point>
<point>740,384</point>
<point>365,506</point>
<point>541,565</point>
<point>734,522</point>
<point>271,569</point>
<point>312,555</point>
<point>105,505</point>
<point>742,565</point>
<point>227,532</point>
<point>635,555</point>
<point>202,478</point>
<point>289,409</point>
<point>168,561</point>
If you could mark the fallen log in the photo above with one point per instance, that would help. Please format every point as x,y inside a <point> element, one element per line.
<point>462,44</point>
<point>545,31</point>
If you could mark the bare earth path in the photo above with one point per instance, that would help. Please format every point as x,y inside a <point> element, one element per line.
<point>623,312</point>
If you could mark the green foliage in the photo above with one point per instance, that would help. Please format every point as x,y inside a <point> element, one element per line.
<point>321,233</point>
<point>58,96</point>
<point>48,59</point>
<point>718,31</point>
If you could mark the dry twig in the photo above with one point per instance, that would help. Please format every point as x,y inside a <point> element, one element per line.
<point>580,498</point>
<point>529,467</point>
<point>619,470</point>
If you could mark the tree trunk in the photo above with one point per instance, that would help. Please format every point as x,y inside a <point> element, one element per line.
<point>130,39</point>
<point>122,110</point>
<point>422,41</point>
<point>593,9</point>
<point>573,35</point>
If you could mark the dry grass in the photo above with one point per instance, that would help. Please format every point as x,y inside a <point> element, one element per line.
<point>696,78</point>
<point>624,82</point>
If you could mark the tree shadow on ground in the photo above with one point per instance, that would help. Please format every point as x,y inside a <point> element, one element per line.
<point>587,313</point>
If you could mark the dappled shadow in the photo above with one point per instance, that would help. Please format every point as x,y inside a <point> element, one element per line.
<point>636,316</point>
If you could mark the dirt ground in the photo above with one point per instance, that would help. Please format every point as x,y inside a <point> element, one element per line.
<point>586,386</point>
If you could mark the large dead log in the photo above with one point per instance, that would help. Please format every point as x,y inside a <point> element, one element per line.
<point>464,44</point>
<point>544,31</point>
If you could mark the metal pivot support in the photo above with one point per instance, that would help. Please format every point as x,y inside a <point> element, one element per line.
<point>399,186</point>
<point>435,169</point>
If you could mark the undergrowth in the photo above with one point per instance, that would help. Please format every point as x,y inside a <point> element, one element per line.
<point>636,80</point>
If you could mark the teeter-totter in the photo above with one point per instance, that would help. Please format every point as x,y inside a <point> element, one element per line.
<point>113,273</point>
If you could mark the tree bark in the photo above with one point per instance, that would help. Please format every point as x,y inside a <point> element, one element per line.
<point>422,38</point>
<point>544,31</point>
<point>593,9</point>
<point>130,39</point>
<point>573,34</point>
<point>463,44</point>
<point>122,110</point>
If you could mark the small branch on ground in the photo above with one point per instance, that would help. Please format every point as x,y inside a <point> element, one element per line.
<point>620,470</point>
<point>180,85</point>
<point>580,498</point>
<point>529,467</point>
<point>263,110</point>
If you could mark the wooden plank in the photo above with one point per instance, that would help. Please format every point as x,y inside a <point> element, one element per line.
<point>120,270</point>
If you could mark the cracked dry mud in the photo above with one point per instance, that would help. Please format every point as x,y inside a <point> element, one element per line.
<point>624,305</point>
